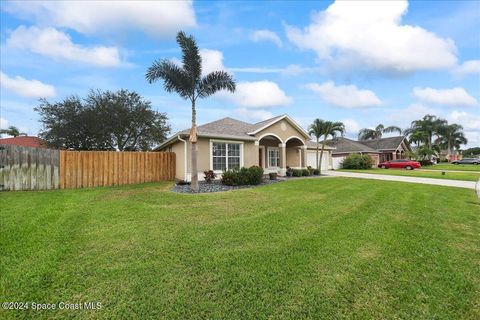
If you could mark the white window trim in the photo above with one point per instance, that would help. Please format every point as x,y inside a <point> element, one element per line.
<point>268,157</point>
<point>225,141</point>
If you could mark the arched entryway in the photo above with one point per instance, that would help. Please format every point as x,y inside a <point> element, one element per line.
<point>270,151</point>
<point>296,155</point>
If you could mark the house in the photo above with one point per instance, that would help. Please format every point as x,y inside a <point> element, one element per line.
<point>24,141</point>
<point>273,144</point>
<point>379,150</point>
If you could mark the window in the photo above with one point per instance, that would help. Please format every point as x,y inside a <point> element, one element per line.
<point>273,157</point>
<point>225,156</point>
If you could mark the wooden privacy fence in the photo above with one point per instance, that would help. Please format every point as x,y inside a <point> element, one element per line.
<point>24,168</point>
<point>81,169</point>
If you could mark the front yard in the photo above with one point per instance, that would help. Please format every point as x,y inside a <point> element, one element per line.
<point>458,167</point>
<point>313,248</point>
<point>437,174</point>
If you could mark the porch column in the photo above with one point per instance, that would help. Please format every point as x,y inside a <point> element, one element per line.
<point>283,159</point>
<point>257,152</point>
<point>303,151</point>
<point>394,155</point>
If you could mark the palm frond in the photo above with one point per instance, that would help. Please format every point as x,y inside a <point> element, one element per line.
<point>192,61</point>
<point>215,81</point>
<point>366,134</point>
<point>392,129</point>
<point>174,77</point>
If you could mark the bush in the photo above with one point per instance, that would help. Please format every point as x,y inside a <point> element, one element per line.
<point>209,176</point>
<point>357,161</point>
<point>242,177</point>
<point>297,173</point>
<point>424,163</point>
<point>316,172</point>
<point>305,172</point>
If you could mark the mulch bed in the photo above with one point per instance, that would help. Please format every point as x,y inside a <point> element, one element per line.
<point>217,186</point>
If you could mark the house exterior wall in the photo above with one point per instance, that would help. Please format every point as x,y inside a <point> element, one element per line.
<point>179,149</point>
<point>293,157</point>
<point>283,129</point>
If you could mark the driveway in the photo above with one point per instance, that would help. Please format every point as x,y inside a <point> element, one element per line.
<point>438,182</point>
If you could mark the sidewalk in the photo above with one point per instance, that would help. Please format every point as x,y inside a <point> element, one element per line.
<point>438,182</point>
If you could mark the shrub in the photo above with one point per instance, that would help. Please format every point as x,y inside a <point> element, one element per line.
<point>316,172</point>
<point>424,163</point>
<point>209,176</point>
<point>305,172</point>
<point>297,173</point>
<point>357,161</point>
<point>244,176</point>
<point>310,170</point>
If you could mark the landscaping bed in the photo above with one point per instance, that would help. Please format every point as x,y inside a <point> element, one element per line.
<point>217,186</point>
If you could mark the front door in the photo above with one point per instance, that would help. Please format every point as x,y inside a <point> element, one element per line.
<point>260,157</point>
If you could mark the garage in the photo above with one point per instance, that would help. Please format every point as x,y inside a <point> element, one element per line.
<point>337,162</point>
<point>312,158</point>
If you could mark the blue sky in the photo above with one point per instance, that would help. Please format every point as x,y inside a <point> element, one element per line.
<point>363,63</point>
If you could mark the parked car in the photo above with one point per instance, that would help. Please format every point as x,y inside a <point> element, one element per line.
<point>401,164</point>
<point>467,161</point>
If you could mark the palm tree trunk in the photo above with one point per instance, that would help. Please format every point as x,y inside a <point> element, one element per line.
<point>194,150</point>
<point>317,153</point>
<point>321,156</point>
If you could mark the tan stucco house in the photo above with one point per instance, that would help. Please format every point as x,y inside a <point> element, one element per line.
<point>273,144</point>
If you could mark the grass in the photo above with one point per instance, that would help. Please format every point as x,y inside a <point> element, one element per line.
<point>315,248</point>
<point>465,176</point>
<point>457,167</point>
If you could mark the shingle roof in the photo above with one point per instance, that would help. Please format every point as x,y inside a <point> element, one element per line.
<point>390,143</point>
<point>224,127</point>
<point>313,145</point>
<point>344,145</point>
<point>24,141</point>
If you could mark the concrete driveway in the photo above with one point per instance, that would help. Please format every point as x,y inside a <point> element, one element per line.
<point>438,182</point>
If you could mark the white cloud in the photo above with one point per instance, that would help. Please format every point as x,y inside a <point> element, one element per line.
<point>351,126</point>
<point>257,94</point>
<point>348,96</point>
<point>468,67</point>
<point>3,123</point>
<point>58,45</point>
<point>290,70</point>
<point>255,115</point>
<point>370,34</point>
<point>212,60</point>
<point>467,120</point>
<point>404,117</point>
<point>471,124</point>
<point>26,88</point>
<point>266,35</point>
<point>158,18</point>
<point>449,97</point>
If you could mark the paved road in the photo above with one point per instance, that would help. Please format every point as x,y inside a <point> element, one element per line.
<point>438,182</point>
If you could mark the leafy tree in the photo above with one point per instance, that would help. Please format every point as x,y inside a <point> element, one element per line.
<point>321,128</point>
<point>377,133</point>
<point>471,151</point>
<point>12,131</point>
<point>104,120</point>
<point>187,81</point>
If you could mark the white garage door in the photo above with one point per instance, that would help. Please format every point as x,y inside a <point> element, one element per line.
<point>312,159</point>
<point>336,162</point>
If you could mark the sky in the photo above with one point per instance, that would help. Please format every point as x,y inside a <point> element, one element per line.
<point>359,62</point>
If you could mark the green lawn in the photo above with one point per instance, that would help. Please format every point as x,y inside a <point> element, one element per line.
<point>316,248</point>
<point>459,167</point>
<point>465,176</point>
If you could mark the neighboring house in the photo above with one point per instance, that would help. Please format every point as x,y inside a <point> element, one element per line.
<point>228,143</point>
<point>379,150</point>
<point>24,141</point>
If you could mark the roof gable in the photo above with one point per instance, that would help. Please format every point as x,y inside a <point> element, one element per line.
<point>260,126</point>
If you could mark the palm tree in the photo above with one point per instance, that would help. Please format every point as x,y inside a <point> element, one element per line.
<point>368,134</point>
<point>12,131</point>
<point>321,128</point>
<point>187,81</point>
<point>451,136</point>
<point>422,131</point>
